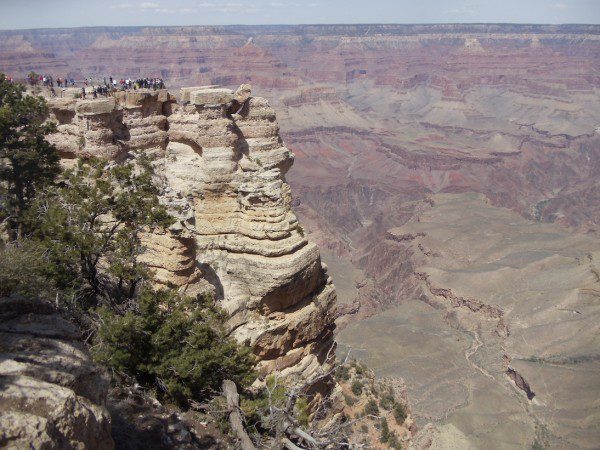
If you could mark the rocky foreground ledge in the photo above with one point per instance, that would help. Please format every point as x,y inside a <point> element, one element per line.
<point>221,165</point>
<point>51,394</point>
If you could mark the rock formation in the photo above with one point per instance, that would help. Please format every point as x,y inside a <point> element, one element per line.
<point>51,394</point>
<point>221,165</point>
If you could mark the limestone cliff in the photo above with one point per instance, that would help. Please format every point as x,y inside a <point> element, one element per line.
<point>221,165</point>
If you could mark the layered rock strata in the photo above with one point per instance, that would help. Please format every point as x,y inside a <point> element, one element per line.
<point>222,166</point>
<point>51,394</point>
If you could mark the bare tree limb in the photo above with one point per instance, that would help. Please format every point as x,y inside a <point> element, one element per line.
<point>235,417</point>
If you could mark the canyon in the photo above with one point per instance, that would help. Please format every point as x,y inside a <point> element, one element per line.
<point>449,174</point>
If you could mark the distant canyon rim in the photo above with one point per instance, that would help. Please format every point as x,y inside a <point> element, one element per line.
<point>450,175</point>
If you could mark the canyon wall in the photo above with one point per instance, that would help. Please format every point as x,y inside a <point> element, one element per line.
<point>221,167</point>
<point>389,123</point>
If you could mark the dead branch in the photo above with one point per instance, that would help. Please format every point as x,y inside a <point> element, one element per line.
<point>235,417</point>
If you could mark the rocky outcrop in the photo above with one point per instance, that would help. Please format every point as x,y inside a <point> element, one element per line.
<point>51,394</point>
<point>108,127</point>
<point>221,165</point>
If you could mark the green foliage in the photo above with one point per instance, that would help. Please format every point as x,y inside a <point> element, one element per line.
<point>387,400</point>
<point>356,387</point>
<point>257,407</point>
<point>400,413</point>
<point>300,230</point>
<point>79,238</point>
<point>23,265</point>
<point>371,408</point>
<point>91,225</point>
<point>349,400</point>
<point>342,373</point>
<point>385,431</point>
<point>302,411</point>
<point>177,344</point>
<point>28,163</point>
<point>393,442</point>
<point>359,369</point>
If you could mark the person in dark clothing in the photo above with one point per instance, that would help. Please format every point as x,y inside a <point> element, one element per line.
<point>82,92</point>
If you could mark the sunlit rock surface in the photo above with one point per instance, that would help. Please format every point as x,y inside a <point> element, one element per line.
<point>221,166</point>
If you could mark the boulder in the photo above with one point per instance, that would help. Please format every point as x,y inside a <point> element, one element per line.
<point>211,97</point>
<point>243,93</point>
<point>95,106</point>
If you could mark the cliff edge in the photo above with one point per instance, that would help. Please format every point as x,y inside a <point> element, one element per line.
<point>221,166</point>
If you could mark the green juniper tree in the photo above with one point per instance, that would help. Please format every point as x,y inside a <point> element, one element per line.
<point>28,163</point>
<point>176,344</point>
<point>91,223</point>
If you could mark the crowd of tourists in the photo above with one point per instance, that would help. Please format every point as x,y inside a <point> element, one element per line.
<point>48,81</point>
<point>142,83</point>
<point>98,87</point>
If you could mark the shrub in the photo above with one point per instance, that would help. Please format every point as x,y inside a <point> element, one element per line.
<point>342,373</point>
<point>349,399</point>
<point>356,387</point>
<point>393,442</point>
<point>385,431</point>
<point>400,413</point>
<point>359,369</point>
<point>23,266</point>
<point>177,344</point>
<point>301,411</point>
<point>537,445</point>
<point>387,401</point>
<point>371,408</point>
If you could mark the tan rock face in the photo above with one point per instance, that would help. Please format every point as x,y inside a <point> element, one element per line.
<point>222,166</point>
<point>51,394</point>
<point>231,170</point>
<point>109,127</point>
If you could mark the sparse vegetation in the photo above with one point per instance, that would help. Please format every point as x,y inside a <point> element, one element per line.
<point>356,387</point>
<point>371,408</point>
<point>349,399</point>
<point>387,400</point>
<point>342,373</point>
<point>400,413</point>
<point>385,431</point>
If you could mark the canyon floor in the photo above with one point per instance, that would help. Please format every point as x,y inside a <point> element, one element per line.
<point>455,355</point>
